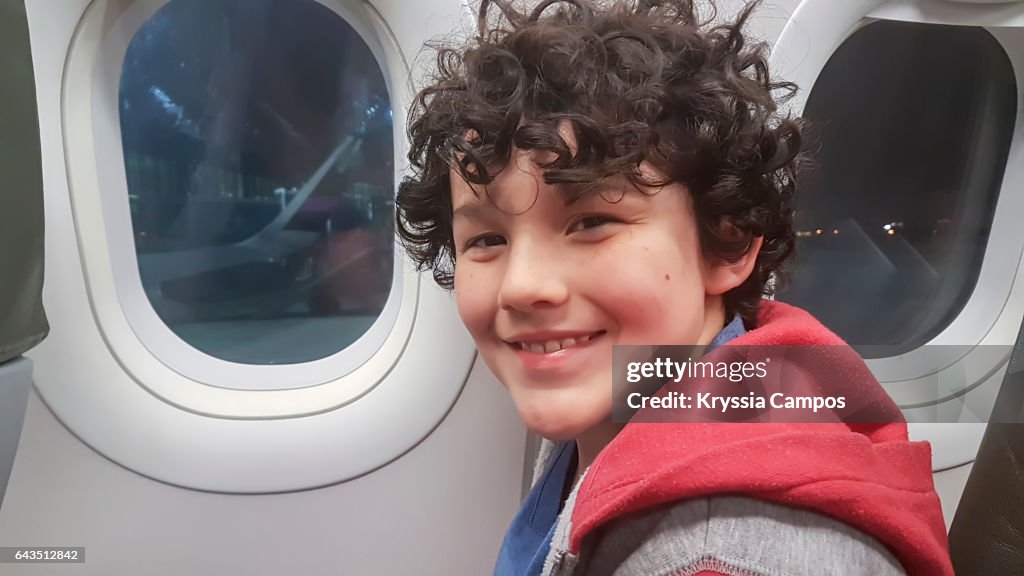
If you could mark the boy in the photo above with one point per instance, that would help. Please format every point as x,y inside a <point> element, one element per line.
<point>595,175</point>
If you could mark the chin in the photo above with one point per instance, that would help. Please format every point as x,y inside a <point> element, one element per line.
<point>554,435</point>
<point>559,425</point>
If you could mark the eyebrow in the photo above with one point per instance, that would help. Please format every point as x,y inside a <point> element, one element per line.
<point>469,210</point>
<point>477,209</point>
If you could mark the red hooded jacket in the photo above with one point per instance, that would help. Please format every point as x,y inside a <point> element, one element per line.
<point>868,476</point>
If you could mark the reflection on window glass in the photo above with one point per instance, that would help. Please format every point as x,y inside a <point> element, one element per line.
<point>911,127</point>
<point>259,156</point>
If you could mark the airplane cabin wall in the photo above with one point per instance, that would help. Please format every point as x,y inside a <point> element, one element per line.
<point>440,508</point>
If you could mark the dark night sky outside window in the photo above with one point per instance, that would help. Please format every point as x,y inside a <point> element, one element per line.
<point>258,147</point>
<point>911,128</point>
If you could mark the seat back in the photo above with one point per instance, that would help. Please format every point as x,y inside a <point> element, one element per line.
<point>987,534</point>
<point>22,320</point>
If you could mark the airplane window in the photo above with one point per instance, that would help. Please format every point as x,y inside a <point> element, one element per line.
<point>911,128</point>
<point>258,147</point>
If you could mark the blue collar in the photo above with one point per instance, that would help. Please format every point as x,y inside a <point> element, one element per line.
<point>731,330</point>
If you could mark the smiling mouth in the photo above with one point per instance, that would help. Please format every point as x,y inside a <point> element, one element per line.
<point>552,346</point>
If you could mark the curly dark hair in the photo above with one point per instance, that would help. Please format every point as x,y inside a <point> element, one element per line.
<point>638,80</point>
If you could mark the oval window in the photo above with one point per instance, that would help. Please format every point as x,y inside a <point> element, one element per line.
<point>259,154</point>
<point>911,125</point>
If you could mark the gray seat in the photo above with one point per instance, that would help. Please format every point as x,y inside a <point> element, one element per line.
<point>22,320</point>
<point>15,382</point>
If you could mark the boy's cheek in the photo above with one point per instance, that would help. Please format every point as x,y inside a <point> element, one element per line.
<point>471,300</point>
<point>465,312</point>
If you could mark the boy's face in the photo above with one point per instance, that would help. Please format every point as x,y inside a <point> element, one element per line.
<point>569,282</point>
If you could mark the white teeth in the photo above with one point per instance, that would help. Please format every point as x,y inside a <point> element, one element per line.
<point>553,345</point>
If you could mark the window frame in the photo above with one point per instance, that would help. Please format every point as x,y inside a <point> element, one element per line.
<point>994,309</point>
<point>158,338</point>
<point>951,330</point>
<point>149,352</point>
<point>111,392</point>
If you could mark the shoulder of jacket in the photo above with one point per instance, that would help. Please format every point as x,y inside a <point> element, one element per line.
<point>733,536</point>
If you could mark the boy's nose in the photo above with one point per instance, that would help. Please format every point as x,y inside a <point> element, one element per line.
<point>533,279</point>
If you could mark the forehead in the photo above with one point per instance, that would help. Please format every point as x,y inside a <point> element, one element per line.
<point>519,186</point>
<point>515,189</point>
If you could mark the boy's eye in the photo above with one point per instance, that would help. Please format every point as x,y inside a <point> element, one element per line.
<point>485,241</point>
<point>590,222</point>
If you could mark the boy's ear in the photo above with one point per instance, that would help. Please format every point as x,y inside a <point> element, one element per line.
<point>720,277</point>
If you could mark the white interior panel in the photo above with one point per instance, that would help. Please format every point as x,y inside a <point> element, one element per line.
<point>115,393</point>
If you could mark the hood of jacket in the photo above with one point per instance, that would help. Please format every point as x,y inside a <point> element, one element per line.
<point>866,475</point>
